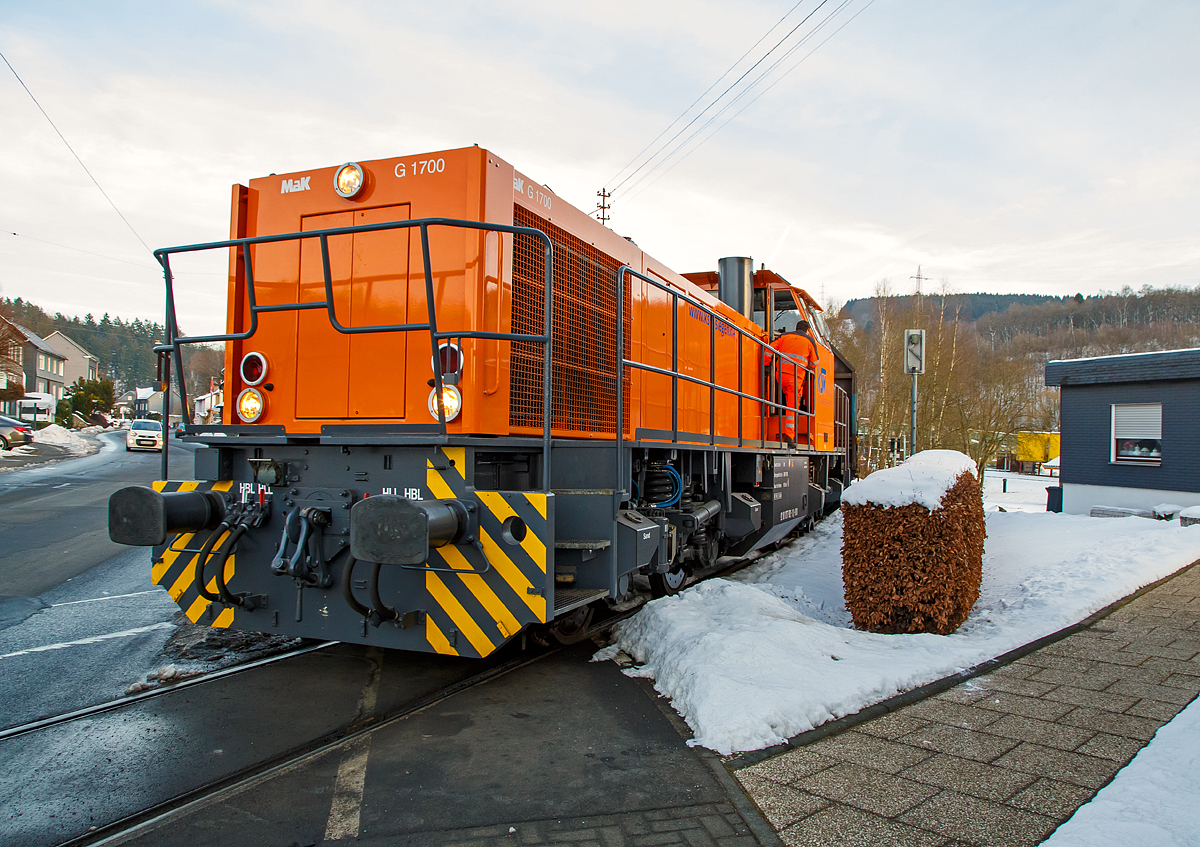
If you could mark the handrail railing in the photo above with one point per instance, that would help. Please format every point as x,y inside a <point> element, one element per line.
<point>175,342</point>
<point>713,387</point>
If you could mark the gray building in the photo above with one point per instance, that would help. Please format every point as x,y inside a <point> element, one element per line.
<point>45,367</point>
<point>1129,430</point>
<point>80,364</point>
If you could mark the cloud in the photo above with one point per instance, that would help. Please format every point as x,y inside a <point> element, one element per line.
<point>1027,146</point>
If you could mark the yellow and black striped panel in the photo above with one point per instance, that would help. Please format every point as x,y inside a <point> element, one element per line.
<point>474,613</point>
<point>174,566</point>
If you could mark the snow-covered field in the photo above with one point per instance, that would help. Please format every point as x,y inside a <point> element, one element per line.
<point>751,661</point>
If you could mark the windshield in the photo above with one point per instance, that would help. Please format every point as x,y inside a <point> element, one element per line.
<point>150,426</point>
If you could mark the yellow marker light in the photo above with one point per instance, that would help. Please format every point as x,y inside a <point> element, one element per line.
<point>250,405</point>
<point>349,180</point>
<point>451,401</point>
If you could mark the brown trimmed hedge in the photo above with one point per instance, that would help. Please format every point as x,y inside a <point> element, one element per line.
<point>907,569</point>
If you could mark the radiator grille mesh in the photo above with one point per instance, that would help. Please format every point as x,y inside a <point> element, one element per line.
<point>585,319</point>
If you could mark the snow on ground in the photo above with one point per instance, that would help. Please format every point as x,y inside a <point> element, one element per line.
<point>751,661</point>
<point>1024,493</point>
<point>1147,804</point>
<point>23,450</point>
<point>57,435</point>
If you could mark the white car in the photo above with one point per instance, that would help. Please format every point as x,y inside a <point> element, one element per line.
<point>144,435</point>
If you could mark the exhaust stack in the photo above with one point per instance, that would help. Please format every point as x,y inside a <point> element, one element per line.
<point>735,284</point>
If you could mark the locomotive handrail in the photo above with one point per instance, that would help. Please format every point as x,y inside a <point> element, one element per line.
<point>676,376</point>
<point>175,341</point>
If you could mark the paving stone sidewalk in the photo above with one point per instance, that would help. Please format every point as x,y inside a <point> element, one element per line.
<point>1000,759</point>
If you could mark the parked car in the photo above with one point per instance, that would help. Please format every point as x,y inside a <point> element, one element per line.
<point>180,430</point>
<point>14,433</point>
<point>144,435</point>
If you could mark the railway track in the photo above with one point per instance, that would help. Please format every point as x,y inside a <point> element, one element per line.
<point>122,702</point>
<point>262,710</point>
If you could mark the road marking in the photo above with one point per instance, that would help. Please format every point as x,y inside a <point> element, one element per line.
<point>346,811</point>
<point>95,639</point>
<point>98,599</point>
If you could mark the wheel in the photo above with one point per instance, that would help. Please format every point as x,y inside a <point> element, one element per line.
<point>3,443</point>
<point>572,627</point>
<point>128,449</point>
<point>671,582</point>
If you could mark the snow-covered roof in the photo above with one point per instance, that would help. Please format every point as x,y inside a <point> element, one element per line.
<point>1053,463</point>
<point>1129,367</point>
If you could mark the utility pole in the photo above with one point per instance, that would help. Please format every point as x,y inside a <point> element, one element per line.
<point>604,205</point>
<point>919,280</point>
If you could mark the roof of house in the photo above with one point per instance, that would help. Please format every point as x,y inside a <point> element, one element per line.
<point>39,342</point>
<point>1131,367</point>
<point>72,342</point>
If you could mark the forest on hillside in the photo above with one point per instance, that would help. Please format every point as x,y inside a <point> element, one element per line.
<point>125,348</point>
<point>985,369</point>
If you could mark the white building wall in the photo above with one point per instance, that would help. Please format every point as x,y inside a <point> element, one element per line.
<point>1079,499</point>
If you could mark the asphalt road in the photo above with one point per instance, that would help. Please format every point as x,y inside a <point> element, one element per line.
<point>80,619</point>
<point>54,518</point>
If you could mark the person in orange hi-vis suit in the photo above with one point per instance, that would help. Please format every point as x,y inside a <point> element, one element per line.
<point>799,345</point>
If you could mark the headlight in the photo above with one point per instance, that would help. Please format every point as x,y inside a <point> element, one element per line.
<point>451,402</point>
<point>348,180</point>
<point>250,405</point>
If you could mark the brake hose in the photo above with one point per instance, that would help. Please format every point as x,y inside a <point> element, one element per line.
<point>348,588</point>
<point>202,560</point>
<point>223,553</point>
<point>382,612</point>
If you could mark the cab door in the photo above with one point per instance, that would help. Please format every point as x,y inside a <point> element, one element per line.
<point>340,376</point>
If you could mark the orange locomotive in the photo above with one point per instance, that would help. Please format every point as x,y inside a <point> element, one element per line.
<point>589,416</point>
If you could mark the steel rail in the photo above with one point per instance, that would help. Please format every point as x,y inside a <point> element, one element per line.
<point>121,702</point>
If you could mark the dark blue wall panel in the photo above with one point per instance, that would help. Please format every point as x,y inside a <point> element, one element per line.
<point>1087,428</point>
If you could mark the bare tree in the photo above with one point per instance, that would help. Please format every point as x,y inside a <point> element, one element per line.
<point>991,402</point>
<point>12,379</point>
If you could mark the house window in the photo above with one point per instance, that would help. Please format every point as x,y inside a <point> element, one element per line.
<point>1137,433</point>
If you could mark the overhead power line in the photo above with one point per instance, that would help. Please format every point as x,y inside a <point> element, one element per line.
<point>746,91</point>
<point>145,266</point>
<point>721,96</point>
<point>682,114</point>
<point>73,153</point>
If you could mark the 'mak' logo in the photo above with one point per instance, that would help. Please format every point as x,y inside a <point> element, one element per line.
<point>289,185</point>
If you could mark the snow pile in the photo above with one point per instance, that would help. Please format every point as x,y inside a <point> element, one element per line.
<point>923,478</point>
<point>23,450</point>
<point>1190,512</point>
<point>753,662</point>
<point>1153,802</point>
<point>60,437</point>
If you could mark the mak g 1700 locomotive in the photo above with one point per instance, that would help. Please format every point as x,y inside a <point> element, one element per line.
<point>458,408</point>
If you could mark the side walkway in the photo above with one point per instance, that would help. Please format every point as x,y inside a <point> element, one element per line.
<point>1001,759</point>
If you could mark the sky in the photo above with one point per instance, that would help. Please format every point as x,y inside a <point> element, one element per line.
<point>1030,147</point>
